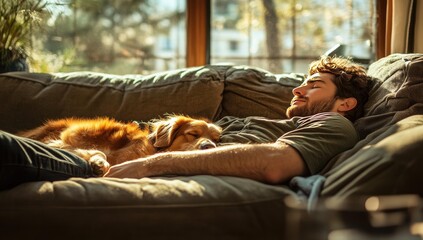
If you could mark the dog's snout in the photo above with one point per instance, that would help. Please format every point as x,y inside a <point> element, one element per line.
<point>207,145</point>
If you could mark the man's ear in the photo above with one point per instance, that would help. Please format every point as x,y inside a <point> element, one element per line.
<point>347,104</point>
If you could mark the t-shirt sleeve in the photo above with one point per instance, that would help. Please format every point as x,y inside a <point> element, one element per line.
<point>320,137</point>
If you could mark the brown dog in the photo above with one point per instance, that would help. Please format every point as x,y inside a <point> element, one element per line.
<point>104,141</point>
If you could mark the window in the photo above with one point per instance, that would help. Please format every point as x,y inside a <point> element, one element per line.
<point>114,36</point>
<point>286,35</point>
<point>145,36</point>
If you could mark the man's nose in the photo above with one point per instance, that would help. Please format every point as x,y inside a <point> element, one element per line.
<point>298,91</point>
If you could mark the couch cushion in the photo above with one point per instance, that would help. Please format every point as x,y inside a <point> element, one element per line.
<point>204,207</point>
<point>396,94</point>
<point>253,91</point>
<point>388,161</point>
<point>28,99</point>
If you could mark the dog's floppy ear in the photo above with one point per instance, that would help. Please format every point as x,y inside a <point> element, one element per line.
<point>165,131</point>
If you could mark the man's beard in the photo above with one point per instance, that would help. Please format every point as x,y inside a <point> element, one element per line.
<point>310,109</point>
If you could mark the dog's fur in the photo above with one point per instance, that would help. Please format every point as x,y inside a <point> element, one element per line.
<point>104,141</point>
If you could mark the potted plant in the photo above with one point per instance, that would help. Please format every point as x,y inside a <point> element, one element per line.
<point>18,18</point>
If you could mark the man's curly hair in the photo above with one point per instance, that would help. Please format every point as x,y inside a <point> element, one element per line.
<point>351,80</point>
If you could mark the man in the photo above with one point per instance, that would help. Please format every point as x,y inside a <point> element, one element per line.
<point>317,130</point>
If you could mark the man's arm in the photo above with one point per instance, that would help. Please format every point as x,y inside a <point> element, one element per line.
<point>272,163</point>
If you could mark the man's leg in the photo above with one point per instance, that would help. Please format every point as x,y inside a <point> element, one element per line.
<point>25,160</point>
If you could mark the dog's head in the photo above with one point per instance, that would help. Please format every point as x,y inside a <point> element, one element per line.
<point>182,133</point>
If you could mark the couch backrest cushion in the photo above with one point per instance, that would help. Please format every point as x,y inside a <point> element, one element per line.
<point>28,99</point>
<point>253,91</point>
<point>397,92</point>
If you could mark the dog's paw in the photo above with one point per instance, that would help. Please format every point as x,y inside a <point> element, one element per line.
<point>99,164</point>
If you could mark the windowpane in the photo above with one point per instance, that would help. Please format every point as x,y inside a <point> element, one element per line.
<point>114,36</point>
<point>286,35</point>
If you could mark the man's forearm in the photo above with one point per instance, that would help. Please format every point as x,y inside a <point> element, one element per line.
<point>272,163</point>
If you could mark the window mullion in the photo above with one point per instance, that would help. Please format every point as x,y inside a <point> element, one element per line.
<point>197,32</point>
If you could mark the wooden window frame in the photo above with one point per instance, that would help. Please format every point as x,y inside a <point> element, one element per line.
<point>198,32</point>
<point>382,35</point>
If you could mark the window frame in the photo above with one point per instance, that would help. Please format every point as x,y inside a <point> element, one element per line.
<point>198,32</point>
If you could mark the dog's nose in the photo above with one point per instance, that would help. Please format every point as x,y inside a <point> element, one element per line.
<point>207,145</point>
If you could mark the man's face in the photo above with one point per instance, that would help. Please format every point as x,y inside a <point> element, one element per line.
<point>315,95</point>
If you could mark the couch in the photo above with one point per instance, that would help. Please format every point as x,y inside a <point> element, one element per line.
<point>388,159</point>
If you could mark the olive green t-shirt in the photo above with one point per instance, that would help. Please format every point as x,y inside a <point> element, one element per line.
<point>317,138</point>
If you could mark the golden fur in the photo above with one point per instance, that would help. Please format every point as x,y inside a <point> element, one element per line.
<point>104,141</point>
